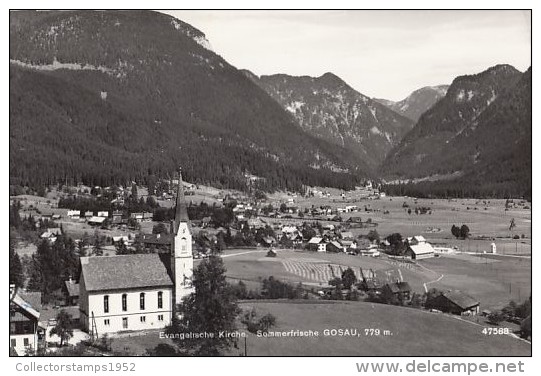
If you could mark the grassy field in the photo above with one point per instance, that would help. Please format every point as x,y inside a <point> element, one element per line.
<point>411,332</point>
<point>493,280</point>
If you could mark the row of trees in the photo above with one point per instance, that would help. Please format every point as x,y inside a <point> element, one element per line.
<point>461,232</point>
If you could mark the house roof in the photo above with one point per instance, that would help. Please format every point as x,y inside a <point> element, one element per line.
<point>460,299</point>
<point>347,235</point>
<point>97,219</point>
<point>162,239</point>
<point>422,248</point>
<point>399,287</point>
<point>336,244</point>
<point>30,302</point>
<point>289,229</point>
<point>315,240</point>
<point>124,272</point>
<point>72,287</point>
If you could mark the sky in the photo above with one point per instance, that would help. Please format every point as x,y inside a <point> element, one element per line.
<point>382,54</point>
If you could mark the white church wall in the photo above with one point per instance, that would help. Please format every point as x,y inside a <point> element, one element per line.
<point>153,317</point>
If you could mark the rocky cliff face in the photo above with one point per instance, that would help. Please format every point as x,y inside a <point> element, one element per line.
<point>330,109</point>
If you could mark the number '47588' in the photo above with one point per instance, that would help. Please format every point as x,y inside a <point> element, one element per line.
<point>495,331</point>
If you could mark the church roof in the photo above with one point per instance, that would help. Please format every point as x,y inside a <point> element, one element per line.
<point>124,272</point>
<point>181,211</point>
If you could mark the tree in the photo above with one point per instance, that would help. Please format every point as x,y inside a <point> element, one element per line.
<point>266,322</point>
<point>97,249</point>
<point>159,228</point>
<point>464,231</point>
<point>396,243</point>
<point>372,236</point>
<point>163,349</point>
<point>16,276</point>
<point>455,230</point>
<point>134,192</point>
<point>260,195</point>
<point>512,225</point>
<point>430,298</point>
<point>212,308</point>
<point>121,248</point>
<point>496,318</point>
<point>348,278</point>
<point>63,327</point>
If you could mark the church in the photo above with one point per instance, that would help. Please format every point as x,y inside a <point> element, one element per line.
<point>140,291</point>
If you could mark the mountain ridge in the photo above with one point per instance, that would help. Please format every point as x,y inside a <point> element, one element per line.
<point>175,100</point>
<point>329,108</point>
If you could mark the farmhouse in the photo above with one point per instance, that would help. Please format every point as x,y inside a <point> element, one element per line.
<point>96,221</point>
<point>137,216</point>
<point>418,248</point>
<point>24,313</point>
<point>51,234</point>
<point>71,291</point>
<point>139,291</point>
<point>456,302</point>
<point>316,244</point>
<point>74,214</point>
<point>117,217</point>
<point>334,247</point>
<point>399,289</point>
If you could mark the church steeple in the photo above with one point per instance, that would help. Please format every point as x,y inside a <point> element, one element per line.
<point>181,248</point>
<point>181,211</point>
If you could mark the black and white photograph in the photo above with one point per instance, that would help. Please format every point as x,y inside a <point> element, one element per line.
<point>270,183</point>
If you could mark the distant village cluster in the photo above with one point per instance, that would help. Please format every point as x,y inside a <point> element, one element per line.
<point>135,261</point>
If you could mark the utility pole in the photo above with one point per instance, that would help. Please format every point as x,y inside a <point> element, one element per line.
<point>245,346</point>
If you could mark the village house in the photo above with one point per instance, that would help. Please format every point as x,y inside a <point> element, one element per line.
<point>71,292</point>
<point>24,313</point>
<point>317,244</point>
<point>137,216</point>
<point>74,214</point>
<point>116,218</point>
<point>402,290</point>
<point>456,302</point>
<point>138,291</point>
<point>51,234</point>
<point>120,239</point>
<point>334,247</point>
<point>256,223</point>
<point>97,221</point>
<point>418,248</point>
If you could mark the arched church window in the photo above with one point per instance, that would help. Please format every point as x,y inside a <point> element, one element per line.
<point>124,302</point>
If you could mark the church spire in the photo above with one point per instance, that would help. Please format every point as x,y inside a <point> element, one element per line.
<point>181,211</point>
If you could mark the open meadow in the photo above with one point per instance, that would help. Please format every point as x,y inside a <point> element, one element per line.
<point>492,280</point>
<point>402,332</point>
